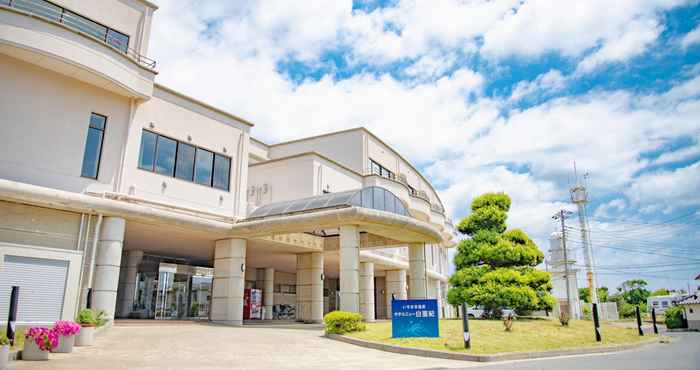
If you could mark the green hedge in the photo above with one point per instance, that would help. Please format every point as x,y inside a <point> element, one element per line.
<point>341,322</point>
<point>674,317</point>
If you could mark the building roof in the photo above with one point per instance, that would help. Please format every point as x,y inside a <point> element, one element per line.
<point>370,197</point>
<point>204,105</point>
<point>693,299</point>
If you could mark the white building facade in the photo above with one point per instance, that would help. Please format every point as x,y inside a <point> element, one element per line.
<point>146,203</point>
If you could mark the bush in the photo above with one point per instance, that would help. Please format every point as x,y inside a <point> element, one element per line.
<point>674,317</point>
<point>587,314</point>
<point>4,341</point>
<point>341,322</point>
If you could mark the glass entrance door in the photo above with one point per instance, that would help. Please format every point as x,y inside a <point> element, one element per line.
<point>183,292</point>
<point>173,294</point>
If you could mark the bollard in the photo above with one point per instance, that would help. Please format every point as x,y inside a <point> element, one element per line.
<point>639,322</point>
<point>653,320</point>
<point>12,314</point>
<point>596,322</point>
<point>465,326</point>
<point>88,300</point>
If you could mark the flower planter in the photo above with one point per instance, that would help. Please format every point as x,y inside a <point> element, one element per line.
<point>31,351</point>
<point>86,336</point>
<point>65,344</point>
<point>4,357</point>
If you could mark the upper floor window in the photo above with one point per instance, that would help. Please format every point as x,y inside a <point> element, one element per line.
<point>93,146</point>
<point>174,158</point>
<point>378,169</point>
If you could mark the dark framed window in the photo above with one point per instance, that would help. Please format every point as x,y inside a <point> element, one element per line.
<point>147,156</point>
<point>203,166</point>
<point>170,157</point>
<point>93,146</point>
<point>222,169</point>
<point>166,149</point>
<point>185,162</point>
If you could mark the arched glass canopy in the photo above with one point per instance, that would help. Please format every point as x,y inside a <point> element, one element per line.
<point>372,197</point>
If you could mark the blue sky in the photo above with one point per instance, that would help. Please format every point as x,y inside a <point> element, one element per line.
<point>482,96</point>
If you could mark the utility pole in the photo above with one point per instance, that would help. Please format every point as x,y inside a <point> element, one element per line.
<point>561,216</point>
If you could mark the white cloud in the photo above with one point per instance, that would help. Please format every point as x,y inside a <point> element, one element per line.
<point>665,190</point>
<point>678,155</point>
<point>633,41</point>
<point>691,38</point>
<point>552,81</point>
<point>614,206</point>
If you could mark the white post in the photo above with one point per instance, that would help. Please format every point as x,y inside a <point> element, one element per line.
<point>367,291</point>
<point>395,281</point>
<point>269,292</point>
<point>131,269</point>
<point>418,283</point>
<point>107,265</point>
<point>349,269</point>
<point>229,282</point>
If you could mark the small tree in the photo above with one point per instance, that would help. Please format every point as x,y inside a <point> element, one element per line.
<point>495,267</point>
<point>660,292</point>
<point>584,294</point>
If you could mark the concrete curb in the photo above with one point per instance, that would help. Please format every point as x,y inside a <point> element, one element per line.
<point>485,358</point>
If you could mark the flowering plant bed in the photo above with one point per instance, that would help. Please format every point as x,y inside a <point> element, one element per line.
<point>66,328</point>
<point>45,338</point>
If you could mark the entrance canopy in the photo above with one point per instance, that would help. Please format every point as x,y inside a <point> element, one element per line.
<point>370,197</point>
<point>374,209</point>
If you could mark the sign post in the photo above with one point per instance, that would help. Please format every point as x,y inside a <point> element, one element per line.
<point>414,318</point>
<point>12,314</point>
<point>465,326</point>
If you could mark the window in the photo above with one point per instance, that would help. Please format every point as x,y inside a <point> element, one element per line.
<point>222,166</point>
<point>203,167</point>
<point>165,155</point>
<point>378,169</point>
<point>169,157</point>
<point>147,156</point>
<point>118,40</point>
<point>185,162</point>
<point>93,146</point>
<point>664,303</point>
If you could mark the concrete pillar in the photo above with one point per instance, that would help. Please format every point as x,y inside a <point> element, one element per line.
<point>107,265</point>
<point>310,287</point>
<point>128,282</point>
<point>349,269</point>
<point>438,294</point>
<point>269,292</point>
<point>418,283</point>
<point>396,286</point>
<point>367,291</point>
<point>229,282</point>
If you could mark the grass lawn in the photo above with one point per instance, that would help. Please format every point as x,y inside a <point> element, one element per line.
<point>489,336</point>
<point>19,336</point>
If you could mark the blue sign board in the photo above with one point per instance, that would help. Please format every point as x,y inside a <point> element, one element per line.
<point>414,318</point>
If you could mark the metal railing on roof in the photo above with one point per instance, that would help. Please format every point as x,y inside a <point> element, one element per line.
<point>58,14</point>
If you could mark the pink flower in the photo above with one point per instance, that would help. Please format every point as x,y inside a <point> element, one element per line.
<point>66,328</point>
<point>45,338</point>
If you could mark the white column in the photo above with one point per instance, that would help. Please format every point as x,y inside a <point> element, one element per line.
<point>310,287</point>
<point>229,282</point>
<point>395,281</point>
<point>349,269</point>
<point>131,269</point>
<point>316,285</point>
<point>416,270</point>
<point>107,264</point>
<point>367,291</point>
<point>439,299</point>
<point>269,292</point>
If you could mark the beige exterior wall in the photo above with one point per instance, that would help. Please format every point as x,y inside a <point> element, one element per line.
<point>345,148</point>
<point>131,17</point>
<point>178,118</point>
<point>46,117</point>
<point>37,226</point>
<point>280,180</point>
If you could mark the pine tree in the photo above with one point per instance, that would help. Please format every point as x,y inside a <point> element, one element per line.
<point>495,267</point>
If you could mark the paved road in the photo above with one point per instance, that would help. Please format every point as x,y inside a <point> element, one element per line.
<point>683,353</point>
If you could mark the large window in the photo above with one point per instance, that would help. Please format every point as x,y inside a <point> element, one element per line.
<point>169,157</point>
<point>93,146</point>
<point>378,169</point>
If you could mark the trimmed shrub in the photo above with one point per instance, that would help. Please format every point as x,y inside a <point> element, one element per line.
<point>674,317</point>
<point>341,322</point>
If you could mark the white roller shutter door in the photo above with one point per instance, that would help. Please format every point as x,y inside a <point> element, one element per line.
<point>42,285</point>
